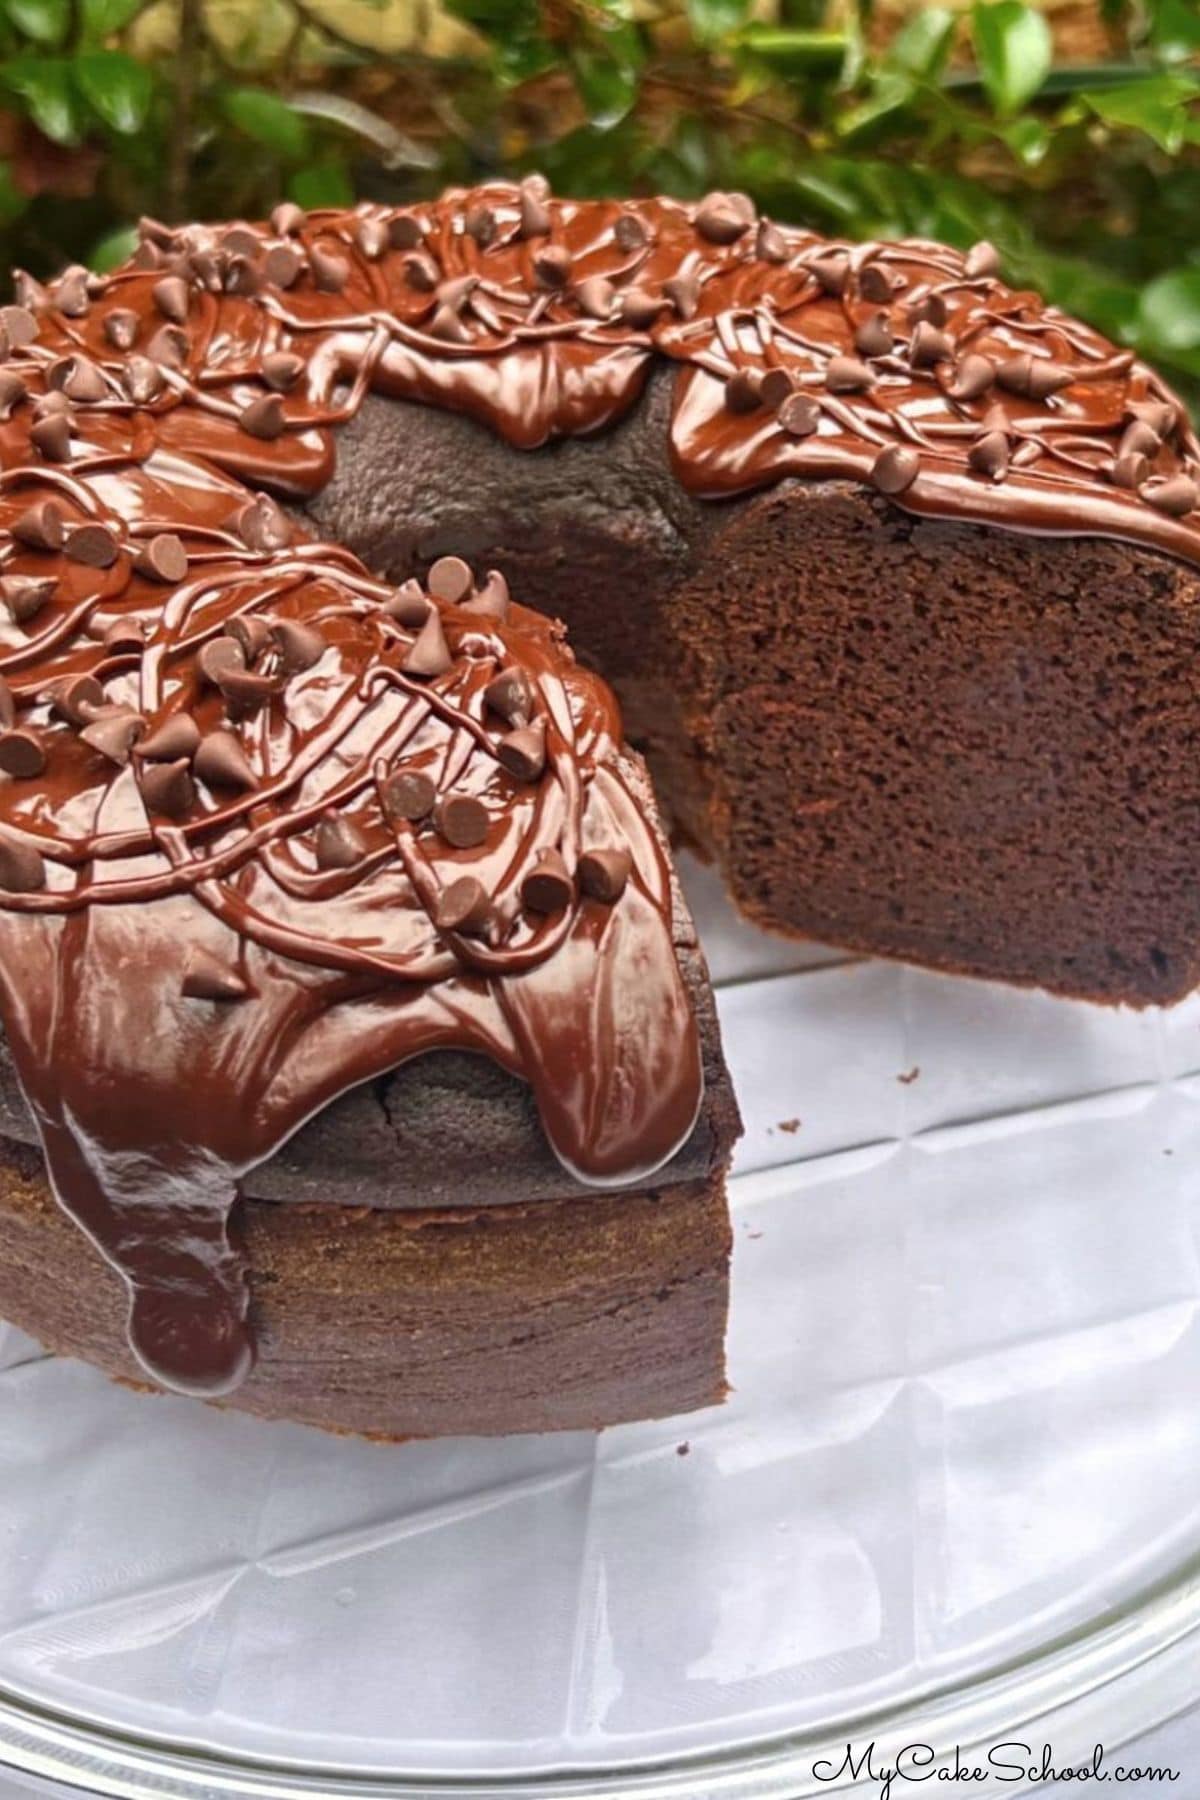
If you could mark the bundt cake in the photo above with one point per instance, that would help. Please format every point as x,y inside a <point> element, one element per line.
<point>894,571</point>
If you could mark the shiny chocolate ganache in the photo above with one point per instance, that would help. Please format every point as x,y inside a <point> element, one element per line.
<point>268,826</point>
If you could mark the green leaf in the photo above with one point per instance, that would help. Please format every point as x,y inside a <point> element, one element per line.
<point>606,74</point>
<point>712,20</point>
<point>796,52</point>
<point>268,120</point>
<point>118,89</point>
<point>1175,33</point>
<point>103,18</point>
<point>45,21</point>
<point>887,103</point>
<point>43,84</point>
<point>1028,138</point>
<point>321,184</point>
<point>1014,49</point>
<point>110,251</point>
<point>12,201</point>
<point>922,44</point>
<point>1170,310</point>
<point>1157,105</point>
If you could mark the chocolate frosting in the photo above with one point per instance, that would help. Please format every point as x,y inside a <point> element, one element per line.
<point>269,827</point>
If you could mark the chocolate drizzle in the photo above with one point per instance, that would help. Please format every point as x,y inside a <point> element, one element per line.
<point>269,827</point>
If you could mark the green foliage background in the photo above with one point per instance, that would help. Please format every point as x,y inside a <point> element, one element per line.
<point>949,124</point>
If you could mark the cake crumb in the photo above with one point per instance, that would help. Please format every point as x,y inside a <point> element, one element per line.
<point>789,1125</point>
<point>911,1076</point>
<point>683,1449</point>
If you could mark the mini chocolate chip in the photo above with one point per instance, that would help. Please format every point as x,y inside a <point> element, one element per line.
<point>22,868</point>
<point>535,214</point>
<point>71,294</point>
<point>282,370</point>
<point>282,265</point>
<point>51,435</point>
<point>552,266</point>
<point>171,298</point>
<point>114,734</point>
<point>970,378</point>
<point>371,237</point>
<point>629,233</point>
<point>25,595</point>
<point>831,271</point>
<point>78,378</point>
<point>144,380</point>
<point>447,326</point>
<point>929,308</point>
<point>409,794</point>
<point>743,391</point>
<point>770,245</point>
<point>239,240</point>
<point>874,282</point>
<point>12,392</point>
<point>1138,436</point>
<point>874,336</point>
<point>1172,494</point>
<point>639,309</point>
<point>1161,417</point>
<point>162,558</point>
<point>491,600</point>
<point>799,416</point>
<point>510,693</point>
<point>895,469</point>
<point>523,752</point>
<point>928,346</point>
<point>20,325</point>
<point>338,842</point>
<point>722,218</point>
<point>123,637</point>
<point>21,754</point>
<point>595,296</point>
<point>461,820</point>
<point>330,272</point>
<point>246,690</point>
<point>404,231</point>
<point>206,978</point>
<point>28,292</point>
<point>981,259</point>
<point>450,579</point>
<point>77,698</point>
<point>220,761</point>
<point>262,525</point>
<point>93,545</point>
<point>40,527</point>
<point>604,873</point>
<point>242,276</point>
<point>252,632</point>
<point>421,273</point>
<point>463,906</point>
<point>1047,377</point>
<point>287,219</point>
<point>263,418</point>
<point>429,653</point>
<point>167,787</point>
<point>408,605</point>
<point>479,223</point>
<point>178,737</point>
<point>846,375</point>
<point>989,455</point>
<point>218,655</point>
<point>300,646</point>
<point>168,347</point>
<point>1131,469</point>
<point>775,387</point>
<point>683,291</point>
<point>548,887</point>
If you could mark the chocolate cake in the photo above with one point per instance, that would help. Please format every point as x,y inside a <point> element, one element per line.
<point>894,571</point>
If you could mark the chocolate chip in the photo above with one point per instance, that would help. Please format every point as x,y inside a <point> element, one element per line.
<point>372,238</point>
<point>239,240</point>
<point>1047,377</point>
<point>683,291</point>
<point>282,266</point>
<point>874,336</point>
<point>263,525</point>
<point>242,276</point>
<point>172,298</point>
<point>604,873</point>
<point>404,231</point>
<point>205,978</point>
<point>535,214</point>
<point>168,347</point>
<point>77,698</point>
<point>29,293</point>
<point>770,245</point>
<point>144,380</point>
<point>25,595</point>
<point>1138,436</point>
<point>114,734</point>
<point>300,646</point>
<point>410,794</point>
<point>429,653</point>
<point>22,868</point>
<point>970,378</point>
<point>629,233</point>
<point>722,218</point>
<point>251,632</point>
<point>989,455</point>
<point>1159,415</point>
<point>51,435</point>
<point>846,375</point>
<point>246,690</point>
<point>12,392</point>
<point>282,370</point>
<point>221,762</point>
<point>263,418</point>
<point>71,294</point>
<point>450,579</point>
<point>167,787</point>
<point>124,637</point>
<point>448,327</point>
<point>40,527</point>
<point>8,706</point>
<point>93,545</point>
<point>510,694</point>
<point>595,296</point>
<point>21,754</point>
<point>639,309</point>
<point>930,308</point>
<point>463,906</point>
<point>50,403</point>
<point>218,655</point>
<point>78,378</point>
<point>981,259</point>
<point>895,469</point>
<point>287,219</point>
<point>163,558</point>
<point>20,325</point>
<point>177,738</point>
<point>775,387</point>
<point>408,605</point>
<point>799,416</point>
<point>479,223</point>
<point>831,271</point>
<point>523,752</point>
<point>461,820</point>
<point>1131,469</point>
<point>491,600</point>
<point>874,282</point>
<point>547,888</point>
<point>330,272</point>
<point>743,392</point>
<point>928,346</point>
<point>338,843</point>
<point>1175,495</point>
<point>421,273</point>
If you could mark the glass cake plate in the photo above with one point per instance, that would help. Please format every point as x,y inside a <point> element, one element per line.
<point>954,1499</point>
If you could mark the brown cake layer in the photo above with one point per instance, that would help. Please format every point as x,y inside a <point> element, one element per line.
<point>557,1315</point>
